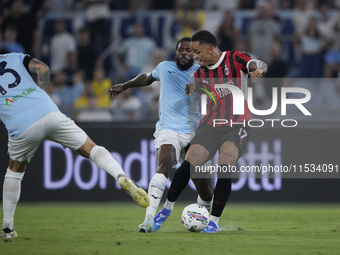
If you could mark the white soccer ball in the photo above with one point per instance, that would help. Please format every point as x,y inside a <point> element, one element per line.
<point>195,217</point>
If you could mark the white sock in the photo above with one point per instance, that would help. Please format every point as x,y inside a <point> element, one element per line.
<point>104,160</point>
<point>155,193</point>
<point>206,204</point>
<point>214,219</point>
<point>11,195</point>
<point>169,205</point>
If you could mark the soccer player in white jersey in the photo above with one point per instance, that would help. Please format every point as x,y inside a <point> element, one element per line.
<point>30,116</point>
<point>178,117</point>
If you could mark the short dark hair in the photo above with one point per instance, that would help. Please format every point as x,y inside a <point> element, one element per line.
<point>204,37</point>
<point>183,39</point>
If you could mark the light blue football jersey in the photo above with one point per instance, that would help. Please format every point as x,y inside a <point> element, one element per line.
<point>177,111</point>
<point>22,101</point>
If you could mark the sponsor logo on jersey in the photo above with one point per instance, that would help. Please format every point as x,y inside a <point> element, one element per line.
<point>17,97</point>
<point>226,71</point>
<point>8,100</point>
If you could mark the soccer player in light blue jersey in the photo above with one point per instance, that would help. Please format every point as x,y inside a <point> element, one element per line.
<point>30,116</point>
<point>179,117</point>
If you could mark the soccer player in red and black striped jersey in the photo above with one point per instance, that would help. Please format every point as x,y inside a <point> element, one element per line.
<point>217,68</point>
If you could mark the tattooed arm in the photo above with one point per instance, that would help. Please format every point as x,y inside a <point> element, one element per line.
<point>256,68</point>
<point>42,72</point>
<point>255,64</point>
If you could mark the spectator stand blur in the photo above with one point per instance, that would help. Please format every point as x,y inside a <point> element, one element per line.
<point>71,69</point>
<point>62,42</point>
<point>61,6</point>
<point>190,18</point>
<point>24,18</point>
<point>329,27</point>
<point>101,85</point>
<point>65,96</point>
<point>87,106</point>
<point>2,50</point>
<point>87,56</point>
<point>277,74</point>
<point>227,34</point>
<point>126,107</point>
<point>151,92</point>
<point>134,52</point>
<point>97,18</point>
<point>221,5</point>
<point>311,44</point>
<point>161,26</point>
<point>262,32</point>
<point>10,43</point>
<point>301,16</point>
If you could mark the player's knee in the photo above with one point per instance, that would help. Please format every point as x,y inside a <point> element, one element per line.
<point>169,162</point>
<point>165,166</point>
<point>18,167</point>
<point>87,148</point>
<point>14,175</point>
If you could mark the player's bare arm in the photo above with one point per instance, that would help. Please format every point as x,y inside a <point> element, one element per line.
<point>42,71</point>
<point>257,69</point>
<point>141,80</point>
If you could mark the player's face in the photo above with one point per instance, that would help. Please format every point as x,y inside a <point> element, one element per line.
<point>184,55</point>
<point>202,53</point>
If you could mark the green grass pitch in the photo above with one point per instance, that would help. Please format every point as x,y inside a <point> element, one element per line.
<point>111,228</point>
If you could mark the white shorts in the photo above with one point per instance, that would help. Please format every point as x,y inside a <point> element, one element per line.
<point>178,140</point>
<point>54,126</point>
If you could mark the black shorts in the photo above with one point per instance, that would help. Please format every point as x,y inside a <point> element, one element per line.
<point>212,138</point>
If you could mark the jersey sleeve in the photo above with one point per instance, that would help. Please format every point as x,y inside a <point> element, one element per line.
<point>26,61</point>
<point>156,72</point>
<point>241,60</point>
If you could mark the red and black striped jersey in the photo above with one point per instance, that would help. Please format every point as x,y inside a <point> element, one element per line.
<point>231,69</point>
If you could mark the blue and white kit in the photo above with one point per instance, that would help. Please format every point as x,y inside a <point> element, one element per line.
<point>29,114</point>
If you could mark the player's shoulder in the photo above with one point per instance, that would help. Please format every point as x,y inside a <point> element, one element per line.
<point>12,55</point>
<point>168,63</point>
<point>242,53</point>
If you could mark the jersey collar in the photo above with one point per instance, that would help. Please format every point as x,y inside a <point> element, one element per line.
<point>218,62</point>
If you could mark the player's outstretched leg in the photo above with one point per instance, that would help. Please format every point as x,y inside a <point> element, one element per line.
<point>104,160</point>
<point>138,194</point>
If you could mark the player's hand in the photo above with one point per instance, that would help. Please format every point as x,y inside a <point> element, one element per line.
<point>117,89</point>
<point>189,88</point>
<point>256,75</point>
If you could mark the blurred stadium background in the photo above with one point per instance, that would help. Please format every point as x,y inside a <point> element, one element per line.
<point>90,45</point>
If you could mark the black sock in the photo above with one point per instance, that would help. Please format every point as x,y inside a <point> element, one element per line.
<point>221,195</point>
<point>180,181</point>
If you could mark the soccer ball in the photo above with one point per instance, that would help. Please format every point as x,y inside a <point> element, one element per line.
<point>195,217</point>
